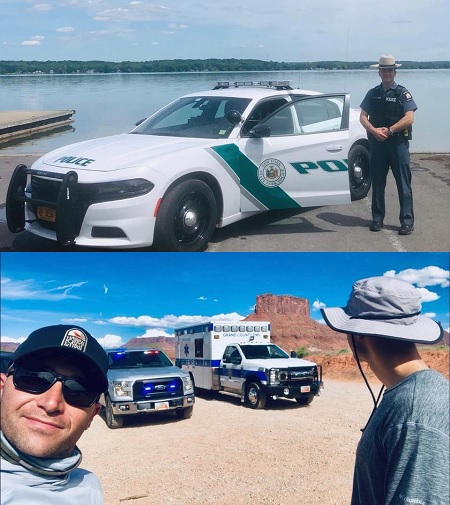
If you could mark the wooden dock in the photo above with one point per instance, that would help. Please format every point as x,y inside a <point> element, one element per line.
<point>22,123</point>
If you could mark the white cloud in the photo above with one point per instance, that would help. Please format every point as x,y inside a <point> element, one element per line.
<point>428,296</point>
<point>31,43</point>
<point>29,289</point>
<point>171,321</point>
<point>317,305</point>
<point>431,315</point>
<point>156,332</point>
<point>42,7</point>
<point>65,29</point>
<point>428,276</point>
<point>5,339</point>
<point>110,341</point>
<point>74,320</point>
<point>202,298</point>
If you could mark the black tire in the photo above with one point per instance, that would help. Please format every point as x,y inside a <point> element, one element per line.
<point>185,413</point>
<point>255,395</point>
<point>359,172</point>
<point>186,218</point>
<point>112,421</point>
<point>305,400</point>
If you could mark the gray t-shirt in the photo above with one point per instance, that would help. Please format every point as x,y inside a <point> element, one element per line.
<point>403,455</point>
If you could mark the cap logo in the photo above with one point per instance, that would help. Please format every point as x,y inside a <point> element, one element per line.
<point>75,339</point>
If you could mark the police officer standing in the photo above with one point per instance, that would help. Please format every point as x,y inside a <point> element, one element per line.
<point>387,113</point>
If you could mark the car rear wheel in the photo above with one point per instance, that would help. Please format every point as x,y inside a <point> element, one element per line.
<point>186,218</point>
<point>359,172</point>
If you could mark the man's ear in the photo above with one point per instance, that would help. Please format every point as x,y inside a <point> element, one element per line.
<point>2,381</point>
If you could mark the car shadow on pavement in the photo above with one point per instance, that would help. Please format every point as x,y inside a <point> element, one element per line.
<point>153,419</point>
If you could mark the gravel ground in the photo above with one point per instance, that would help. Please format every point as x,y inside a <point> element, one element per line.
<point>229,454</point>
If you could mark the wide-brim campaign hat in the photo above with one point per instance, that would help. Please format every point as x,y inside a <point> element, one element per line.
<point>384,307</point>
<point>75,341</point>
<point>386,62</point>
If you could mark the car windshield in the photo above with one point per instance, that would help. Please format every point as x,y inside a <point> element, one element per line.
<point>138,359</point>
<point>268,351</point>
<point>196,117</point>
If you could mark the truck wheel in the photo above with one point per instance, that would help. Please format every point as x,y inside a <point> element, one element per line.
<point>305,400</point>
<point>112,421</point>
<point>185,413</point>
<point>255,395</point>
<point>359,172</point>
<point>186,218</point>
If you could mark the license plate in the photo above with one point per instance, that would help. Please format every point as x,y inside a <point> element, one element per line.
<point>46,214</point>
<point>305,389</point>
<point>161,405</point>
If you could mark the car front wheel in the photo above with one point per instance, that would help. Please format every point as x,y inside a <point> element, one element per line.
<point>359,172</point>
<point>186,218</point>
<point>255,395</point>
<point>112,421</point>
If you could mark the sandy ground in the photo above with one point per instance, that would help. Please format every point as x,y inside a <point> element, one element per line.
<point>230,454</point>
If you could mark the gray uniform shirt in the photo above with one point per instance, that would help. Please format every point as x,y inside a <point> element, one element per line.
<point>403,455</point>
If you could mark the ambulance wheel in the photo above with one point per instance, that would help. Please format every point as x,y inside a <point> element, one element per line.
<point>305,400</point>
<point>359,172</point>
<point>186,218</point>
<point>112,421</point>
<point>185,413</point>
<point>255,395</point>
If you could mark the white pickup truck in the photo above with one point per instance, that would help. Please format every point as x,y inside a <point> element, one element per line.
<point>143,381</point>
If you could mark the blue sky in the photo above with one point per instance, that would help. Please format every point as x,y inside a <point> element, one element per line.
<point>117,296</point>
<point>285,30</point>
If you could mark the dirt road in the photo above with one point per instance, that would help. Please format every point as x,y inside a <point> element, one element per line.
<point>229,454</point>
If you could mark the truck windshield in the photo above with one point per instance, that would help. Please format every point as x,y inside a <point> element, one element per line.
<point>263,351</point>
<point>138,359</point>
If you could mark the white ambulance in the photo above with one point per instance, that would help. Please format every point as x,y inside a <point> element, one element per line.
<point>238,358</point>
<point>203,162</point>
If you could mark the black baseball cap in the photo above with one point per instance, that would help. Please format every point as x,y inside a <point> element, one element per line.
<point>72,340</point>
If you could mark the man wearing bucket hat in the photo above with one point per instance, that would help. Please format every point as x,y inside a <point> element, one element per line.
<point>403,454</point>
<point>387,113</point>
<point>49,396</point>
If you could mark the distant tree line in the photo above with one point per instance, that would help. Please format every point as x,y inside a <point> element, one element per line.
<point>208,65</point>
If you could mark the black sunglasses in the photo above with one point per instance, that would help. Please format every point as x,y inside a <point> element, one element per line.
<point>38,381</point>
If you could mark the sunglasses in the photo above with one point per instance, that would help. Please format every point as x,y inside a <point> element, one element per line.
<point>36,382</point>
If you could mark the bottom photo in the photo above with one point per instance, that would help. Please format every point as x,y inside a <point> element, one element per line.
<point>233,378</point>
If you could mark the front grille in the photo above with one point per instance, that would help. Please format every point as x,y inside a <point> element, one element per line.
<point>302,374</point>
<point>154,389</point>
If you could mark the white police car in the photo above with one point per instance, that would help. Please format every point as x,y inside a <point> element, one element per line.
<point>204,161</point>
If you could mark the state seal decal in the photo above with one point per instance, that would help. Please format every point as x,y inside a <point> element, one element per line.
<point>271,173</point>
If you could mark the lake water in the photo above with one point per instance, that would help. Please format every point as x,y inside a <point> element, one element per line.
<point>106,104</point>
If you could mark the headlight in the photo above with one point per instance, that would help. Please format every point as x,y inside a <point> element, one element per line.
<point>117,190</point>
<point>122,388</point>
<point>188,383</point>
<point>276,376</point>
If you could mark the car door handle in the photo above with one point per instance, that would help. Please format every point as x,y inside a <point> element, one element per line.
<point>334,149</point>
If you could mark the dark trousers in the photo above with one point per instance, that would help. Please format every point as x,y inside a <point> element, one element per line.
<point>392,153</point>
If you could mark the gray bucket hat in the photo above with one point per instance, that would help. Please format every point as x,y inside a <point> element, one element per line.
<point>384,307</point>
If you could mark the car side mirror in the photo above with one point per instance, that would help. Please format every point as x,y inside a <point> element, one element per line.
<point>226,358</point>
<point>236,360</point>
<point>260,131</point>
<point>293,354</point>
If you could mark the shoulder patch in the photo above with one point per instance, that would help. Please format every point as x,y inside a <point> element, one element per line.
<point>407,95</point>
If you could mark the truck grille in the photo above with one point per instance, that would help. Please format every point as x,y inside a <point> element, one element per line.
<point>297,375</point>
<point>154,389</point>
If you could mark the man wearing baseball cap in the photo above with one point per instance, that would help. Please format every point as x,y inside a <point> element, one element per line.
<point>387,113</point>
<point>403,454</point>
<point>49,396</point>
